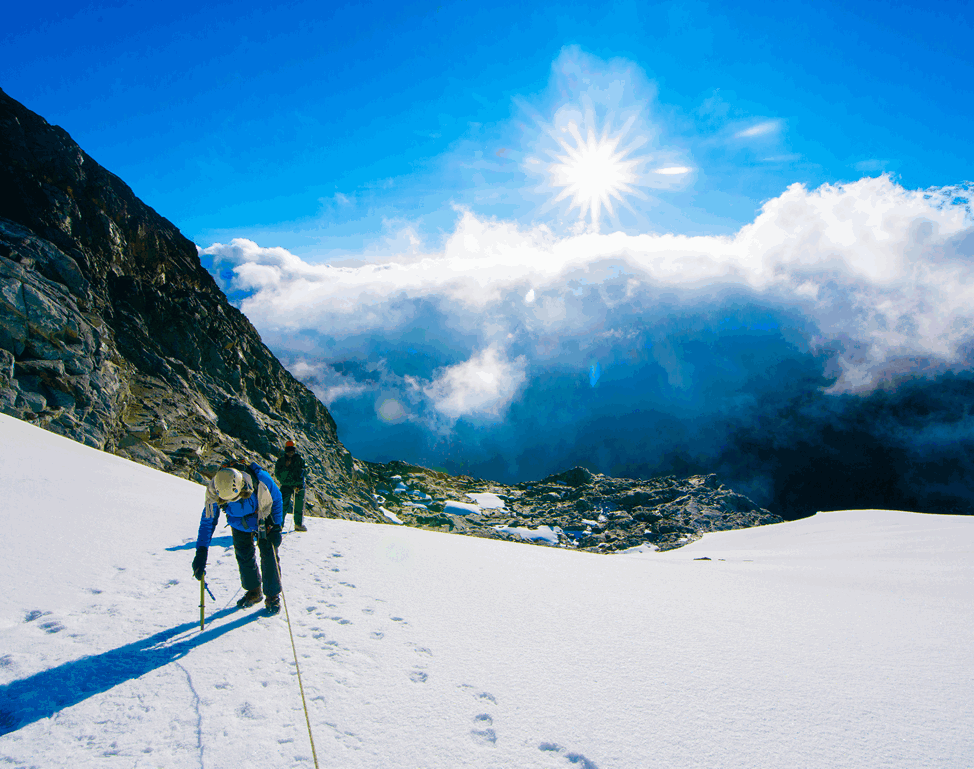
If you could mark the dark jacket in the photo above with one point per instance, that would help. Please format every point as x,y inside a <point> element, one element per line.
<point>289,471</point>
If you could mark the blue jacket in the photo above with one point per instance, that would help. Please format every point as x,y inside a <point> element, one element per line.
<point>243,514</point>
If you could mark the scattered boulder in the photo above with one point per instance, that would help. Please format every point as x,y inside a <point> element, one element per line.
<point>588,511</point>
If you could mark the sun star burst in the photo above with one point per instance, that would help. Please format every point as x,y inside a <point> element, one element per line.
<point>593,173</point>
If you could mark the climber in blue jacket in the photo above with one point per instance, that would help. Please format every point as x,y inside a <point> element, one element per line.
<point>255,510</point>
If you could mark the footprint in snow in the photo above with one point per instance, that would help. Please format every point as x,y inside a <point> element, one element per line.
<point>378,635</point>
<point>247,711</point>
<point>483,731</point>
<point>418,677</point>
<point>484,736</point>
<point>573,758</point>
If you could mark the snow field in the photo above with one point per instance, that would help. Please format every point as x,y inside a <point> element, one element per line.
<point>838,641</point>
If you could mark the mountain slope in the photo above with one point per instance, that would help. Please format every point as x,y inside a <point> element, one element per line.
<point>112,333</point>
<point>833,641</point>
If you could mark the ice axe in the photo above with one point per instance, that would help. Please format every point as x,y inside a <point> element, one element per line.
<point>203,587</point>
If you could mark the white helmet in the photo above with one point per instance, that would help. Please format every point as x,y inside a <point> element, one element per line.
<point>228,483</point>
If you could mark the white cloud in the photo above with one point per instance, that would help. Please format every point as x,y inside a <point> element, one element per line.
<point>760,129</point>
<point>673,170</point>
<point>884,268</point>
<point>324,382</point>
<point>482,386</point>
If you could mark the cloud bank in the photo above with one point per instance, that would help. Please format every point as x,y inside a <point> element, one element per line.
<point>882,274</point>
<point>506,329</point>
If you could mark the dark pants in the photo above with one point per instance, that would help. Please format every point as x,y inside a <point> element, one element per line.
<point>294,494</point>
<point>270,564</point>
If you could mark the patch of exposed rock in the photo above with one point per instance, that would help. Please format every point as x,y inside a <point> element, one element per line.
<point>112,333</point>
<point>576,509</point>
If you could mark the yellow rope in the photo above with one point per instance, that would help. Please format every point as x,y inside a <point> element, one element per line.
<point>294,649</point>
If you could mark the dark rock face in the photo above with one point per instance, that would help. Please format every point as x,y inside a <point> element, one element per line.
<point>576,509</point>
<point>112,332</point>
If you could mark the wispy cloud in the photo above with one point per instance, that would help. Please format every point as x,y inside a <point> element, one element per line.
<point>763,128</point>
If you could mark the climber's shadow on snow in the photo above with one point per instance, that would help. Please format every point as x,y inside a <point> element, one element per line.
<point>191,545</point>
<point>43,694</point>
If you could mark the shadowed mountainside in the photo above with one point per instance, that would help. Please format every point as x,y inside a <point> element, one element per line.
<point>112,332</point>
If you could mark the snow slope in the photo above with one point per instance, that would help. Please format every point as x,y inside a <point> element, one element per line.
<point>838,641</point>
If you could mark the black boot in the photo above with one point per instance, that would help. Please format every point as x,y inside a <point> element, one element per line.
<point>273,604</point>
<point>250,598</point>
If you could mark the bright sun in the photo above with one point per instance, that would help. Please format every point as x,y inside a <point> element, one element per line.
<point>593,172</point>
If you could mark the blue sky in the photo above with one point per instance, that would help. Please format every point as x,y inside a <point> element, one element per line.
<point>313,126</point>
<point>508,239</point>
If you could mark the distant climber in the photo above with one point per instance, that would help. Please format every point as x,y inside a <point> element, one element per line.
<point>254,509</point>
<point>289,470</point>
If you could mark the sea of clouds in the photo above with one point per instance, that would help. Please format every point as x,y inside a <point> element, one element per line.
<point>627,349</point>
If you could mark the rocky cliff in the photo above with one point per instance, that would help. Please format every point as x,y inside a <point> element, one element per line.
<point>112,332</point>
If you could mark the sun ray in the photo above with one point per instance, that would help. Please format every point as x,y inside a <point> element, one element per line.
<point>595,172</point>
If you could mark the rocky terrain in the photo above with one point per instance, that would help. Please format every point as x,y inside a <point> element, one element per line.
<point>576,509</point>
<point>112,333</point>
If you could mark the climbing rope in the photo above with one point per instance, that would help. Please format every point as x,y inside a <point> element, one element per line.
<point>294,650</point>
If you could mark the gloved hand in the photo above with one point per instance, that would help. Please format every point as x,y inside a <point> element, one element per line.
<point>199,562</point>
<point>273,528</point>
